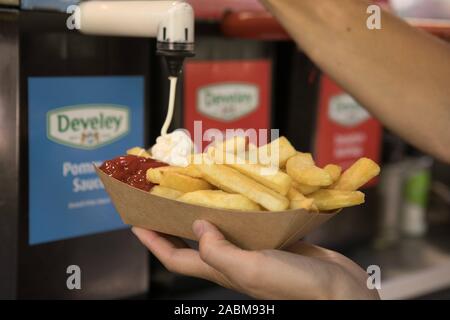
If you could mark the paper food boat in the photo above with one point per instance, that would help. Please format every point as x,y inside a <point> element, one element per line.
<point>249,230</point>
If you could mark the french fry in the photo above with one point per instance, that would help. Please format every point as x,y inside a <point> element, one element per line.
<point>234,145</point>
<point>190,170</point>
<point>304,188</point>
<point>166,192</point>
<point>361,172</point>
<point>285,151</point>
<point>305,158</point>
<point>278,181</point>
<point>299,201</point>
<point>326,199</point>
<point>182,182</point>
<point>272,178</point>
<point>229,179</point>
<point>137,151</point>
<point>302,169</point>
<point>220,199</point>
<point>334,171</point>
<point>248,180</point>
<point>154,175</point>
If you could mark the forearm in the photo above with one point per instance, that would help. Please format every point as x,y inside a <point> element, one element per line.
<point>398,73</point>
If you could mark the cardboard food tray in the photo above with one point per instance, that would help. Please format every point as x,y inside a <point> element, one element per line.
<point>249,230</point>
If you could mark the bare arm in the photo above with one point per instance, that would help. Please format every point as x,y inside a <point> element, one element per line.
<point>400,74</point>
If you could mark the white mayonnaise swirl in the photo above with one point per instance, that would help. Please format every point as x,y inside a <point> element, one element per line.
<point>174,148</point>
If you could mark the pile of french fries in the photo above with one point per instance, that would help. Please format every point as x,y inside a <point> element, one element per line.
<point>296,183</point>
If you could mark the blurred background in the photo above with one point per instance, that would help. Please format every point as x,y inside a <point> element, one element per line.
<point>48,220</point>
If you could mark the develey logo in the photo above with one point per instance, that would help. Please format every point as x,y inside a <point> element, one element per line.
<point>344,110</point>
<point>87,126</point>
<point>228,101</point>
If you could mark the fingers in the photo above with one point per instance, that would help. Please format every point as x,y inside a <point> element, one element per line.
<point>219,253</point>
<point>174,254</point>
<point>217,259</point>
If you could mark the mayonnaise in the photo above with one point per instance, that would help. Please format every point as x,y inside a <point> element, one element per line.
<point>172,148</point>
<point>170,109</point>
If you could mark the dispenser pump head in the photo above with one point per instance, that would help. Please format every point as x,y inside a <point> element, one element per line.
<point>170,22</point>
<point>174,55</point>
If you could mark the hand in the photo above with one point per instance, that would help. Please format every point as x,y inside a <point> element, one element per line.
<point>302,271</point>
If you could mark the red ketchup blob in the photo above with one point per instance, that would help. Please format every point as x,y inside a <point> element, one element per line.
<point>131,170</point>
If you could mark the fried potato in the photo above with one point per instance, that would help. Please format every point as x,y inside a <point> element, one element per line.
<point>271,177</point>
<point>137,151</point>
<point>302,169</point>
<point>299,201</point>
<point>219,199</point>
<point>277,181</point>
<point>326,199</point>
<point>182,182</point>
<point>229,179</point>
<point>234,145</point>
<point>166,192</point>
<point>304,188</point>
<point>361,172</point>
<point>190,170</point>
<point>305,158</point>
<point>154,175</point>
<point>282,145</point>
<point>334,171</point>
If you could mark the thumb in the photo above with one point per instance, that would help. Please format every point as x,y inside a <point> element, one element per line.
<point>215,250</point>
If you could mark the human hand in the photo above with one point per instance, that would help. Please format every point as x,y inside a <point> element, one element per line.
<point>301,271</point>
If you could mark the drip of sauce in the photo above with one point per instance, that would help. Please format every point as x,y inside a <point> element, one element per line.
<point>176,147</point>
<point>131,170</point>
<point>169,116</point>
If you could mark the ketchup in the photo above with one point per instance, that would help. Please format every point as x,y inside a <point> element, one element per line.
<point>131,170</point>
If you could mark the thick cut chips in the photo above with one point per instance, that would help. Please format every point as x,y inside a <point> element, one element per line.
<point>361,172</point>
<point>183,183</point>
<point>334,171</point>
<point>270,177</point>
<point>229,179</point>
<point>299,201</point>
<point>219,199</point>
<point>302,169</point>
<point>327,200</point>
<point>281,145</point>
<point>304,188</point>
<point>166,192</point>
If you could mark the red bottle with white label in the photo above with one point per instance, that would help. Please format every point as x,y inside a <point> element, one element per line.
<point>345,130</point>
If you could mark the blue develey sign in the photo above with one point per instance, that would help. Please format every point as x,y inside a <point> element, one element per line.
<point>74,122</point>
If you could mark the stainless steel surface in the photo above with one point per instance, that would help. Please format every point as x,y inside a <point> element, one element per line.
<point>9,151</point>
<point>413,267</point>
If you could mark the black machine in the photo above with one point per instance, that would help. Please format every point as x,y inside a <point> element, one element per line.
<point>39,245</point>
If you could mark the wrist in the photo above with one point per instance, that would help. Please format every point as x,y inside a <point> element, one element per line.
<point>344,286</point>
